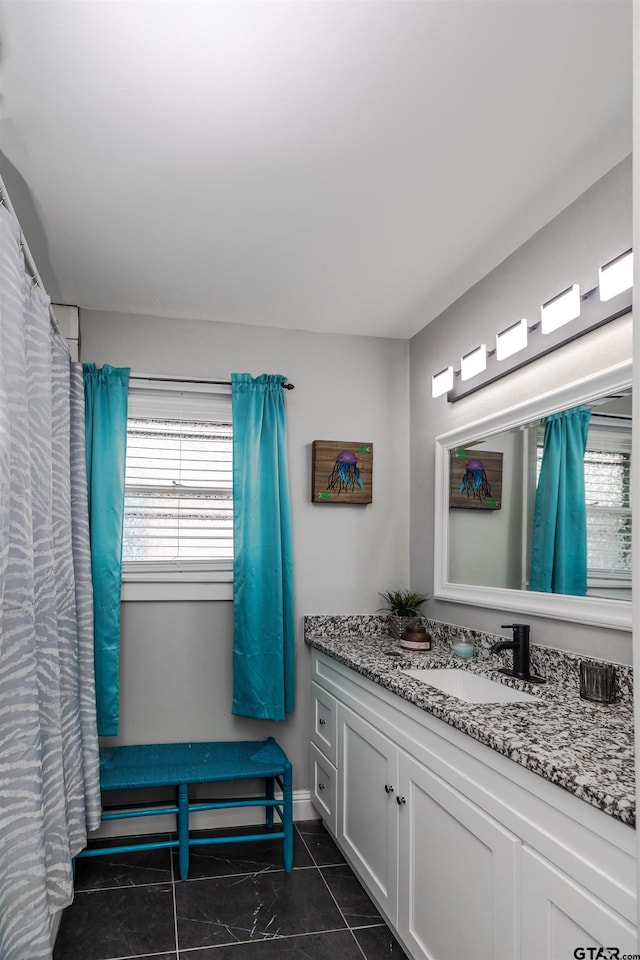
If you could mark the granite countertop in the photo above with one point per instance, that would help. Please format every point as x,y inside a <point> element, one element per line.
<point>586,748</point>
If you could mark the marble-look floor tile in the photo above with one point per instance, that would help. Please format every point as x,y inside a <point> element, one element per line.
<point>253,907</point>
<point>354,903</point>
<point>225,859</point>
<point>378,943</point>
<point>338,944</point>
<point>124,869</point>
<point>120,922</point>
<point>322,847</point>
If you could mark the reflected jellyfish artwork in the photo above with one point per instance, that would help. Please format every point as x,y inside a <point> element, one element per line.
<point>345,474</point>
<point>474,482</point>
<point>475,479</point>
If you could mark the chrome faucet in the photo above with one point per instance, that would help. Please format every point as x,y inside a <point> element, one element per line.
<point>520,647</point>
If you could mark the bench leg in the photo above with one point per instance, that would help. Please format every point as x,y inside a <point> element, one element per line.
<point>183,829</point>
<point>287,805</point>
<point>270,793</point>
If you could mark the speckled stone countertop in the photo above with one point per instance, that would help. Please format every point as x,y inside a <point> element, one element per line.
<point>586,748</point>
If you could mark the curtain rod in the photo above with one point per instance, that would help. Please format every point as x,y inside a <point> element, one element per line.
<point>221,383</point>
<point>30,263</point>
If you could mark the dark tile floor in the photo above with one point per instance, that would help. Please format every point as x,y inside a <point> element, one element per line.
<point>238,904</point>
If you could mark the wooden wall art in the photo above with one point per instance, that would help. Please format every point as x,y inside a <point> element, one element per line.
<point>341,472</point>
<point>475,479</point>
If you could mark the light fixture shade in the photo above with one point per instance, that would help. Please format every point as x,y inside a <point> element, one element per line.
<point>442,382</point>
<point>616,276</point>
<point>473,363</point>
<point>561,309</point>
<point>511,340</point>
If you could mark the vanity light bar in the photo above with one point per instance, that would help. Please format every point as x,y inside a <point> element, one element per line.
<point>511,340</point>
<point>616,276</point>
<point>526,343</point>
<point>442,382</point>
<point>561,309</point>
<point>594,314</point>
<point>473,363</point>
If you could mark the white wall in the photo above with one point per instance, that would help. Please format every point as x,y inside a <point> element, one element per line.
<point>176,656</point>
<point>591,231</point>
<point>485,546</point>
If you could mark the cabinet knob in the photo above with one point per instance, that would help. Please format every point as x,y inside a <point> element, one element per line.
<point>388,788</point>
<point>322,721</point>
<point>321,786</point>
<point>401,800</point>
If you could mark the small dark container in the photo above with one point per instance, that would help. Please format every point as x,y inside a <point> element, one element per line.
<point>598,682</point>
<point>415,637</point>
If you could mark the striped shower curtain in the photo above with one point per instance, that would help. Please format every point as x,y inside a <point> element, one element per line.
<point>49,771</point>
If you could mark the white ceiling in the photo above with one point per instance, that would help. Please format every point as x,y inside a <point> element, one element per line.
<point>333,166</point>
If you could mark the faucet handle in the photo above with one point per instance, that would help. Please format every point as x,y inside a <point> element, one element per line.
<point>520,632</point>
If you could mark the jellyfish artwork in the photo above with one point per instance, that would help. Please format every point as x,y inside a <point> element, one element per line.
<point>345,473</point>
<point>475,481</point>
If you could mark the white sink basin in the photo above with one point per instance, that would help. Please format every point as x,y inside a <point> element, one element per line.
<point>469,686</point>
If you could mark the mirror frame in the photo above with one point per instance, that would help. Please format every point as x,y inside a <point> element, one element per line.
<point>615,614</point>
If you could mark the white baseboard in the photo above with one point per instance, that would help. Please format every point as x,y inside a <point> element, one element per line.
<point>303,809</point>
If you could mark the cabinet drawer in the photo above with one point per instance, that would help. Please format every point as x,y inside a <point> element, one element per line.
<point>323,776</point>
<point>324,721</point>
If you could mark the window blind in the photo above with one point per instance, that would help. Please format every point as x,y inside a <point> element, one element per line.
<point>178,483</point>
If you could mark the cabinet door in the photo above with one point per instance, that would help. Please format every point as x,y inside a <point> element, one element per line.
<point>323,780</point>
<point>367,810</point>
<point>457,893</point>
<point>558,915</point>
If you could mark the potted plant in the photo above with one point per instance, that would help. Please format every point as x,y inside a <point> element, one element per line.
<point>402,607</point>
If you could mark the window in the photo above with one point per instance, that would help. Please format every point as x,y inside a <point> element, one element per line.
<point>607,480</point>
<point>178,515</point>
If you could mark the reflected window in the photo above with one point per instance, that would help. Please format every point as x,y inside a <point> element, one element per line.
<point>607,478</point>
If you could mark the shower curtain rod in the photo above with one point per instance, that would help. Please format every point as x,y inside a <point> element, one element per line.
<point>30,264</point>
<point>220,383</point>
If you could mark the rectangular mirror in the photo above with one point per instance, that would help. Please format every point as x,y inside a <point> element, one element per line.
<point>488,530</point>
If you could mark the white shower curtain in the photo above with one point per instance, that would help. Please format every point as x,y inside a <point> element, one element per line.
<point>49,767</point>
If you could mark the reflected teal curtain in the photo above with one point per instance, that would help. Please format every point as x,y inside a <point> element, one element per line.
<point>559,542</point>
<point>105,393</point>
<point>263,630</point>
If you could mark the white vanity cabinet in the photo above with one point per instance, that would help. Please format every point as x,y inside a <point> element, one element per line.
<point>559,914</point>
<point>367,810</point>
<point>324,777</point>
<point>466,854</point>
<point>458,868</point>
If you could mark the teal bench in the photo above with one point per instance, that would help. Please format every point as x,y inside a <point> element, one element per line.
<point>181,764</point>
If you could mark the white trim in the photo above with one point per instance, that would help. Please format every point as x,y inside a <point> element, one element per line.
<point>591,610</point>
<point>203,571</point>
<point>161,590</point>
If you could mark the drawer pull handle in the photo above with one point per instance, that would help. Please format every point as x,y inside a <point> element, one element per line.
<point>388,788</point>
<point>401,800</point>
<point>321,786</point>
<point>322,722</point>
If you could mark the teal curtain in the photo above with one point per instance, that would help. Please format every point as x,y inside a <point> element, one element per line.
<point>559,542</point>
<point>105,393</point>
<point>263,630</point>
